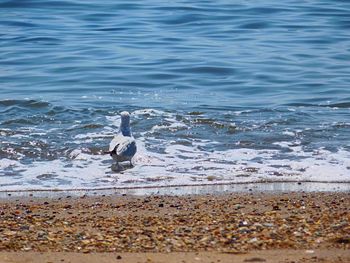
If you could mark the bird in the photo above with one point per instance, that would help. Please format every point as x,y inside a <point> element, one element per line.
<point>123,146</point>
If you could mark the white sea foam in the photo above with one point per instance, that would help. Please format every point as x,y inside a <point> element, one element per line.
<point>176,164</point>
<point>174,126</point>
<point>181,165</point>
<point>151,113</point>
<point>5,163</point>
<point>289,133</point>
<point>114,120</point>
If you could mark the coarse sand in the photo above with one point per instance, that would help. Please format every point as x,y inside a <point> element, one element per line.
<point>235,227</point>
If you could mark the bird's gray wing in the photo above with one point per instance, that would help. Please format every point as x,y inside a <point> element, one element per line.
<point>126,147</point>
<point>114,143</point>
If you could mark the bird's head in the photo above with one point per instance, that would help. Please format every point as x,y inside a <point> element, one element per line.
<point>125,116</point>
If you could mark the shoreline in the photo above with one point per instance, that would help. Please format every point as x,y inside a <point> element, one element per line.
<point>217,227</point>
<point>181,190</point>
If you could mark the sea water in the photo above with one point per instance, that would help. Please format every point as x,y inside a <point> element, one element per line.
<point>220,92</point>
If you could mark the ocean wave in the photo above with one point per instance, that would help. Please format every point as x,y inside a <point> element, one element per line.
<point>218,92</point>
<point>31,104</point>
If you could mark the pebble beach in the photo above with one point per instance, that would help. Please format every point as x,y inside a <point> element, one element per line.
<point>280,227</point>
<point>240,111</point>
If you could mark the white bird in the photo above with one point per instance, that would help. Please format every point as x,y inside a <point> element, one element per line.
<point>123,146</point>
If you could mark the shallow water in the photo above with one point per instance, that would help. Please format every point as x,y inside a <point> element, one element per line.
<point>219,92</point>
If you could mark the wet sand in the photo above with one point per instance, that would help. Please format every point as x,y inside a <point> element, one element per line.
<point>244,227</point>
<point>268,256</point>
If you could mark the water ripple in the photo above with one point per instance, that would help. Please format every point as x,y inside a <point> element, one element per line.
<point>267,81</point>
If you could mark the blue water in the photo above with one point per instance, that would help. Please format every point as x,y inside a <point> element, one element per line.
<point>219,91</point>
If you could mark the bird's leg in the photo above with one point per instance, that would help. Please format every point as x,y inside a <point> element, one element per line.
<point>131,165</point>
<point>117,167</point>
